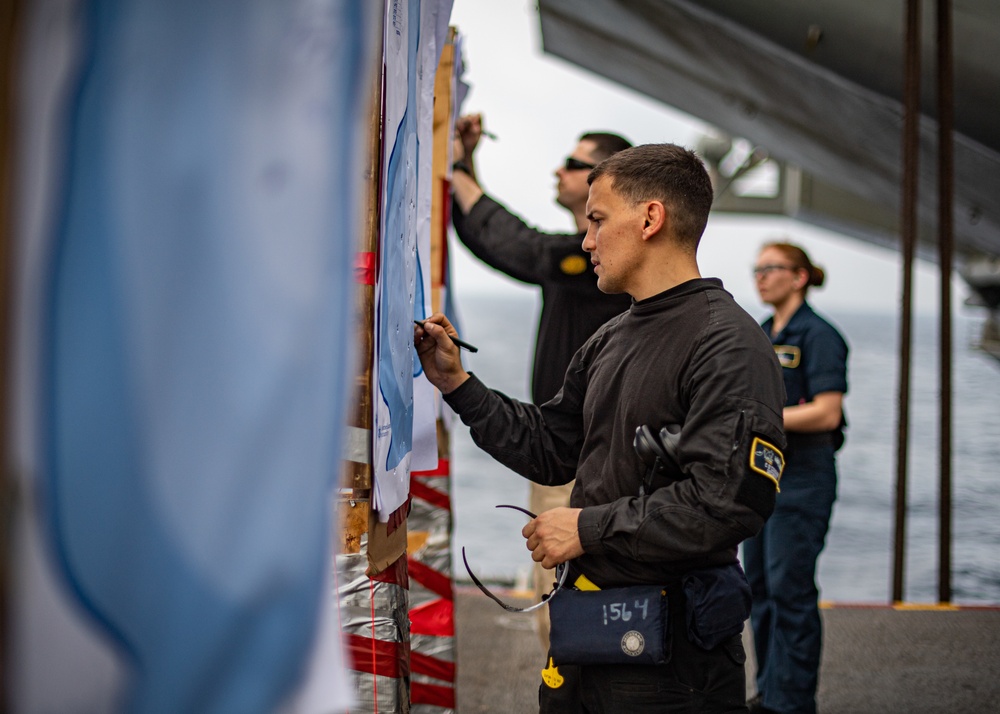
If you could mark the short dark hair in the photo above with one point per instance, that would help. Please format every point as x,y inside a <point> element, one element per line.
<point>667,173</point>
<point>606,143</point>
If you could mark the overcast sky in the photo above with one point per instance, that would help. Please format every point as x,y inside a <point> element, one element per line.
<point>538,105</point>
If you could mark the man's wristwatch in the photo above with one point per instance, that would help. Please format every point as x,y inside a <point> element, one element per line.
<point>460,165</point>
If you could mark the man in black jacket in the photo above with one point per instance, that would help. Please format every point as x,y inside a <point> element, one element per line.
<point>683,354</point>
<point>572,305</point>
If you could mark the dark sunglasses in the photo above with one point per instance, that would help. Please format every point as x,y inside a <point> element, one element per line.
<point>561,571</point>
<point>577,165</point>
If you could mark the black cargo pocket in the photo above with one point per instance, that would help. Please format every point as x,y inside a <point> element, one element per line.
<point>734,648</point>
<point>717,603</point>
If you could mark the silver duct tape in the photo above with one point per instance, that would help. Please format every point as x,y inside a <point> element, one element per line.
<point>371,608</point>
<point>435,521</point>
<point>438,483</point>
<point>388,628</point>
<point>384,695</point>
<point>439,560</point>
<point>420,506</point>
<point>374,610</point>
<point>357,445</point>
<point>351,568</point>
<point>435,553</point>
<point>442,648</point>
<point>438,538</point>
<point>377,597</point>
<point>357,589</point>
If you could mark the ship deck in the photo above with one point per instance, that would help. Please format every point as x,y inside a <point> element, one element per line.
<point>876,659</point>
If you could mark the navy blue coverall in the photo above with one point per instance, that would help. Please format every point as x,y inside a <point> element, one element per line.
<point>780,561</point>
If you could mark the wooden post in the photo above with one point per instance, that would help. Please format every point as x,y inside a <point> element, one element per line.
<point>10,16</point>
<point>356,483</point>
<point>433,646</point>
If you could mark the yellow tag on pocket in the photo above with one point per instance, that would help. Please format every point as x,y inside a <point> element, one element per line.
<point>582,582</point>
<point>551,676</point>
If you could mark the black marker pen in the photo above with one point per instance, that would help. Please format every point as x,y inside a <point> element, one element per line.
<point>460,343</point>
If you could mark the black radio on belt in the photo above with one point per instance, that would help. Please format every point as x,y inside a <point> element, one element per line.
<point>659,452</point>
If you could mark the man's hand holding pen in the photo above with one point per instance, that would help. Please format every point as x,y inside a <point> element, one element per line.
<point>438,353</point>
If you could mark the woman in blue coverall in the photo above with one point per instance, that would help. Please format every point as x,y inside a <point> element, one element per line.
<point>780,561</point>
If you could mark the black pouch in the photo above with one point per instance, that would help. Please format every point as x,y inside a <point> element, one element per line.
<point>718,603</point>
<point>613,626</point>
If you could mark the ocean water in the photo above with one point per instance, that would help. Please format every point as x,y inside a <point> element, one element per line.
<point>856,565</point>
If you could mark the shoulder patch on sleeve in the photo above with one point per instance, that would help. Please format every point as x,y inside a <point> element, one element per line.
<point>788,355</point>
<point>767,459</point>
<point>573,264</point>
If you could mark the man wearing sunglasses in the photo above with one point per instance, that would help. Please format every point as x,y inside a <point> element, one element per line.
<point>572,305</point>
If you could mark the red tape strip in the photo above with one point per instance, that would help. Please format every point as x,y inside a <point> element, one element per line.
<point>432,667</point>
<point>432,694</point>
<point>420,490</point>
<point>364,268</point>
<point>385,659</point>
<point>436,618</point>
<point>395,574</point>
<point>430,579</point>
